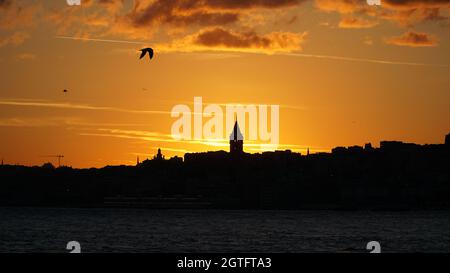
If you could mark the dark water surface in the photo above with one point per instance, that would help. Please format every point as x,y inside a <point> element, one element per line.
<point>139,230</point>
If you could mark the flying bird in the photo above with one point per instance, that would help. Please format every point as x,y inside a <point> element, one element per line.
<point>144,52</point>
<point>65,91</point>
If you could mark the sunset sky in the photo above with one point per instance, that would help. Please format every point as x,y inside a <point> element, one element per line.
<point>344,73</point>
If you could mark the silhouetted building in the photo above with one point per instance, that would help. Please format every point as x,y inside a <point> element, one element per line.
<point>339,150</point>
<point>159,156</point>
<point>236,140</point>
<point>176,159</point>
<point>368,147</point>
<point>447,140</point>
<point>397,146</point>
<point>355,149</point>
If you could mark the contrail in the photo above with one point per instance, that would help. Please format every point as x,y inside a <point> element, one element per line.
<point>377,61</point>
<point>100,40</point>
<point>328,57</point>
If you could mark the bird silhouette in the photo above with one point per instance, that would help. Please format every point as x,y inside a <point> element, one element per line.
<point>65,91</point>
<point>144,52</point>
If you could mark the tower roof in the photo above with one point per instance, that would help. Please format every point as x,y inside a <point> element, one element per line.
<point>236,134</point>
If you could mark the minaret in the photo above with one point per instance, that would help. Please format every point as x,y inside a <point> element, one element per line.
<point>236,140</point>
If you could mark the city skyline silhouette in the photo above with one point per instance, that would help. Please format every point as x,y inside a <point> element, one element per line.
<point>395,176</point>
<point>342,72</point>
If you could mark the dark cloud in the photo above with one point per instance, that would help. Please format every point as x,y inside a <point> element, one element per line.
<point>413,39</point>
<point>5,3</point>
<point>153,17</point>
<point>198,12</point>
<point>176,13</point>
<point>404,12</point>
<point>144,18</point>
<point>221,37</point>
<point>225,39</point>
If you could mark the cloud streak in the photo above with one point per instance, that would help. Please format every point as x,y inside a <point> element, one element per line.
<point>64,105</point>
<point>167,138</point>
<point>99,40</point>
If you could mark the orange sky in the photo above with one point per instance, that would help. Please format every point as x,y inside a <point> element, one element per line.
<point>343,73</point>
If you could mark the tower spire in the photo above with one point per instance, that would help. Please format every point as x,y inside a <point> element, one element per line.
<point>236,139</point>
